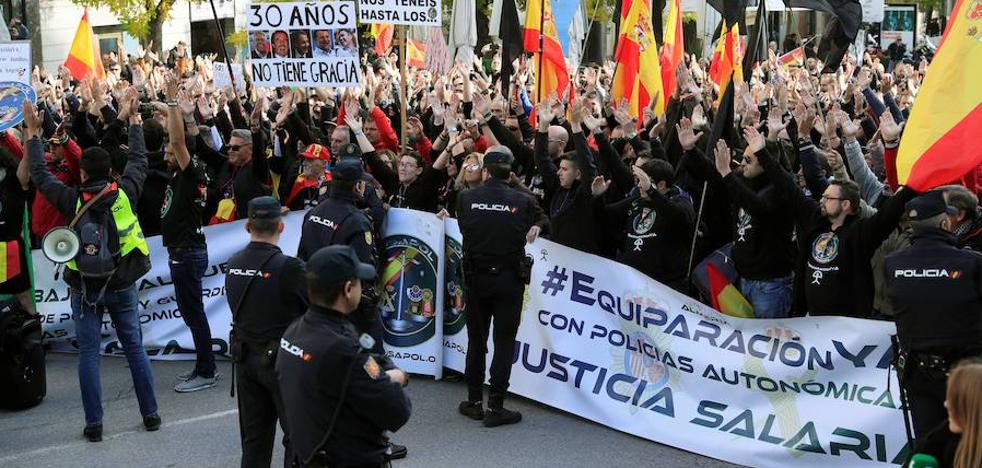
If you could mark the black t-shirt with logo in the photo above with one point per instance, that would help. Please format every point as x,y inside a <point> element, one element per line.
<point>828,281</point>
<point>184,201</point>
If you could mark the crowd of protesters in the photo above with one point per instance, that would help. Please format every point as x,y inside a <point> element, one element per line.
<point>802,193</point>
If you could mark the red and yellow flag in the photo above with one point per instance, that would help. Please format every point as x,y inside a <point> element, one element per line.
<point>725,297</point>
<point>9,260</point>
<point>552,77</point>
<point>946,118</point>
<point>672,47</point>
<point>638,78</point>
<point>84,57</point>
<point>416,54</point>
<point>727,58</point>
<point>794,58</point>
<point>383,37</point>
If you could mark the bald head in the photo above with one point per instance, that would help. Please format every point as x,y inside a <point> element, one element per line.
<point>558,136</point>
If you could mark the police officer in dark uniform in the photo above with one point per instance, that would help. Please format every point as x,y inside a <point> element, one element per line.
<point>339,398</point>
<point>339,221</point>
<point>266,290</point>
<point>496,221</point>
<point>934,286</point>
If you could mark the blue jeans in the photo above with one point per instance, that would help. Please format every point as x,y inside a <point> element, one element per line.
<point>770,298</point>
<point>121,306</point>
<point>187,267</point>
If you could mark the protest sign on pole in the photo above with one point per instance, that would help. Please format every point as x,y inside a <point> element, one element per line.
<point>224,80</point>
<point>303,44</point>
<point>411,304</point>
<point>414,13</point>
<point>15,61</point>
<point>899,21</point>
<point>455,300</point>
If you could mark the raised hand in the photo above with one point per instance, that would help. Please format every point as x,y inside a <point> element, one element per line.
<point>32,118</point>
<point>775,124</point>
<point>204,107</point>
<point>889,128</point>
<point>699,120</point>
<point>643,181</point>
<point>599,186</point>
<point>687,138</point>
<point>755,141</point>
<point>850,129</point>
<point>185,103</point>
<point>722,153</point>
<point>482,105</point>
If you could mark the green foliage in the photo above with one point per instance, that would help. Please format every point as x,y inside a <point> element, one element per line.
<point>137,17</point>
<point>600,11</point>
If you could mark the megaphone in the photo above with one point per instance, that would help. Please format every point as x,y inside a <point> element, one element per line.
<point>60,245</point>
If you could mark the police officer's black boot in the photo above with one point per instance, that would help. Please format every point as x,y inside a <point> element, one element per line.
<point>472,409</point>
<point>497,415</point>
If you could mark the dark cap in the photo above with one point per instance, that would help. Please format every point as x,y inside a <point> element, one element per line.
<point>350,150</point>
<point>928,206</point>
<point>336,264</point>
<point>498,155</point>
<point>264,208</point>
<point>348,169</point>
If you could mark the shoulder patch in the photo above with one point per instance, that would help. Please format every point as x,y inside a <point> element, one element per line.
<point>372,368</point>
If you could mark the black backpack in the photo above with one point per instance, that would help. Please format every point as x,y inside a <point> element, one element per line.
<point>99,250</point>
<point>21,357</point>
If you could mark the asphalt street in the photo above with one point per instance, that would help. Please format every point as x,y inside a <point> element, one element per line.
<point>201,429</point>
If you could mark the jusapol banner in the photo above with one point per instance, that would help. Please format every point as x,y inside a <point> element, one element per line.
<point>600,340</point>
<point>411,307</point>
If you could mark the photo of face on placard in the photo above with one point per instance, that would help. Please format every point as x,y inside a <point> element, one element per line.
<point>323,42</point>
<point>345,43</point>
<point>301,44</point>
<point>281,44</point>
<point>259,45</point>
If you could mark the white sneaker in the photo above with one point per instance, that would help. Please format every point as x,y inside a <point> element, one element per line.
<point>196,383</point>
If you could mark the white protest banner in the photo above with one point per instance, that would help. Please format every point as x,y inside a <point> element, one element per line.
<point>164,333</point>
<point>455,300</point>
<point>224,80</point>
<point>15,61</point>
<point>303,44</point>
<point>408,12</point>
<point>411,306</point>
<point>603,341</point>
<point>872,10</point>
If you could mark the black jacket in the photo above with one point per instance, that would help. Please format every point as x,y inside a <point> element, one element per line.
<point>66,199</point>
<point>319,354</point>
<point>762,246</point>
<point>573,212</point>
<point>936,289</point>
<point>337,221</point>
<point>494,220</point>
<point>834,265</point>
<point>421,194</point>
<point>266,290</point>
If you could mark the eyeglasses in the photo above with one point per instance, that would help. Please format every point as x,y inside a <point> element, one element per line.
<point>236,147</point>
<point>410,165</point>
<point>826,197</point>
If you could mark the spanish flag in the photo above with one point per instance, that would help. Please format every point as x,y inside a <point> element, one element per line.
<point>10,261</point>
<point>383,37</point>
<point>672,48</point>
<point>638,77</point>
<point>84,57</point>
<point>726,57</point>
<point>416,54</point>
<point>552,75</point>
<point>726,298</point>
<point>946,118</point>
<point>795,58</point>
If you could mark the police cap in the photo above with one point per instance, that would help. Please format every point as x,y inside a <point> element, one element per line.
<point>264,208</point>
<point>336,264</point>
<point>498,155</point>
<point>348,169</point>
<point>928,205</point>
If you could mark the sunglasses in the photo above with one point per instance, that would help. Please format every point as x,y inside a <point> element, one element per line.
<point>472,167</point>
<point>236,147</point>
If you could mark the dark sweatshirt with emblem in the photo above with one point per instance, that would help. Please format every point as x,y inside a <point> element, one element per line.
<point>834,264</point>
<point>656,233</point>
<point>573,212</point>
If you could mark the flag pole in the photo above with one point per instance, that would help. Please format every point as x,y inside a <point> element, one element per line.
<point>695,232</point>
<point>542,45</point>
<point>403,89</point>
<point>221,32</point>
